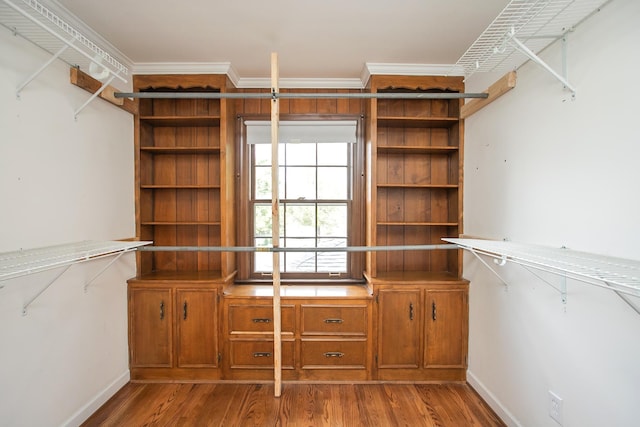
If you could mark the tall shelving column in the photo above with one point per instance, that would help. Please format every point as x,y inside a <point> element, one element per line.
<point>414,156</point>
<point>185,165</point>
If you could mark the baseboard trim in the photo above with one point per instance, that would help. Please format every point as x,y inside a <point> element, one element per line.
<point>492,401</point>
<point>98,400</point>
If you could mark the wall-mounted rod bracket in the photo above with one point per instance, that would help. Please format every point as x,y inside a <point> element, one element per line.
<point>520,47</point>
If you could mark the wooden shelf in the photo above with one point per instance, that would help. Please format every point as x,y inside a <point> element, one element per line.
<point>180,187</point>
<point>419,186</point>
<point>414,277</point>
<point>422,122</point>
<point>416,224</point>
<point>181,150</point>
<point>173,223</point>
<point>414,149</point>
<point>173,121</point>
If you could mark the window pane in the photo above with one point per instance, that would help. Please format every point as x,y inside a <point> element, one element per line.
<point>263,183</point>
<point>300,220</point>
<point>263,261</point>
<point>262,215</point>
<point>333,183</point>
<point>301,183</point>
<point>300,261</point>
<point>332,220</point>
<point>333,154</point>
<point>300,154</point>
<point>262,154</point>
<point>332,262</point>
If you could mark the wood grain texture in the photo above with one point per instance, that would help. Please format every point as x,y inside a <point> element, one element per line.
<point>437,405</point>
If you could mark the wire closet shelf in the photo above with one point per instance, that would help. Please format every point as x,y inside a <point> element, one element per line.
<point>44,28</point>
<point>535,23</point>
<point>29,261</point>
<point>618,274</point>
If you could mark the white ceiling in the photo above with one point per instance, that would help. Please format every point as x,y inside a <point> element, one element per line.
<point>323,39</point>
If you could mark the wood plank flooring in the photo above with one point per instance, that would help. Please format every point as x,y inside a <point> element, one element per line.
<point>332,405</point>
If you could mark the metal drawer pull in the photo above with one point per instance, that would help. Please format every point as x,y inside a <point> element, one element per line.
<point>411,311</point>
<point>261,320</point>
<point>184,311</point>
<point>333,320</point>
<point>161,310</point>
<point>333,354</point>
<point>262,354</point>
<point>433,310</point>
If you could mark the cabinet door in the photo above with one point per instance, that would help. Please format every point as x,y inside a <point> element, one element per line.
<point>150,326</point>
<point>399,328</point>
<point>446,326</point>
<point>197,328</point>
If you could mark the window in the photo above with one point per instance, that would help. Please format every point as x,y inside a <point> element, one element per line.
<point>317,189</point>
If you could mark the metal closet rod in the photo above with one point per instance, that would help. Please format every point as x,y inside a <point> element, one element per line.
<point>290,95</point>
<point>282,249</point>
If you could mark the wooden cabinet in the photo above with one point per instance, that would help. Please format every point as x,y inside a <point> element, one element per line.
<point>422,331</point>
<point>185,174</point>
<point>323,338</point>
<point>414,159</point>
<point>150,327</point>
<point>173,329</point>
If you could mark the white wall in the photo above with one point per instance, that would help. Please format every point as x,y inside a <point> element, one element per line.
<point>61,181</point>
<point>543,169</point>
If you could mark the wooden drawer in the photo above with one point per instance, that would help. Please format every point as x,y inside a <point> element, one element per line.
<point>259,354</point>
<point>245,318</point>
<point>334,320</point>
<point>333,354</point>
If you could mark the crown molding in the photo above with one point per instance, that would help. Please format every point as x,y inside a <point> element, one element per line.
<point>187,68</point>
<point>372,68</point>
<point>301,83</point>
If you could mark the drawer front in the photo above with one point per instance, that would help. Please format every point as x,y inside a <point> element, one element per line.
<point>259,354</point>
<point>334,320</point>
<point>333,354</point>
<point>245,318</point>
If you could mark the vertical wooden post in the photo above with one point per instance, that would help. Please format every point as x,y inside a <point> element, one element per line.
<point>275,228</point>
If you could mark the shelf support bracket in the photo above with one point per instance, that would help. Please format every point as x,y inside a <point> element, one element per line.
<point>94,96</point>
<point>42,68</point>
<point>86,285</point>
<point>28,303</point>
<point>520,47</point>
<point>486,264</point>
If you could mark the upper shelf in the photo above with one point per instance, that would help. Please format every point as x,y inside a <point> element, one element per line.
<point>619,274</point>
<point>23,262</point>
<point>41,26</point>
<point>536,23</point>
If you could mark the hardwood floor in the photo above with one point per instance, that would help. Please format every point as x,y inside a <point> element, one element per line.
<point>379,405</point>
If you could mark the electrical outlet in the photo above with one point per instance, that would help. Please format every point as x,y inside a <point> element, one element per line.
<point>555,407</point>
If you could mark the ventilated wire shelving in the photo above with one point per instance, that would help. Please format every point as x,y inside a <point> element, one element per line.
<point>41,26</point>
<point>617,274</point>
<point>524,25</point>
<point>30,261</point>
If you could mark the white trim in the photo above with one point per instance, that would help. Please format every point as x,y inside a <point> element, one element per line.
<point>495,404</point>
<point>99,399</point>
<point>301,83</point>
<point>372,68</point>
